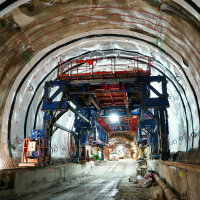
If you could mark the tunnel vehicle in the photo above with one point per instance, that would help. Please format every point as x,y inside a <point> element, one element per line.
<point>121,155</point>
<point>113,156</point>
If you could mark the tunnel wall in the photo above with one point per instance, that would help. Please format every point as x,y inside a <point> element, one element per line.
<point>32,90</point>
<point>48,66</point>
<point>138,20</point>
<point>26,181</point>
<point>185,183</point>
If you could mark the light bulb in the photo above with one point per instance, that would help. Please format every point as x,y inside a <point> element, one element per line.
<point>114,118</point>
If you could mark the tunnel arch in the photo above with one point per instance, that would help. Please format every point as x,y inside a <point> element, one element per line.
<point>122,137</point>
<point>144,43</point>
<point>87,37</point>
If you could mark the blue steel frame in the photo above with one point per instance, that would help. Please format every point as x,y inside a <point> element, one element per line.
<point>85,117</point>
<point>155,125</point>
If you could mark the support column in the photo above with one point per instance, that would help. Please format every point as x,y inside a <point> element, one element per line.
<point>102,153</point>
<point>47,124</point>
<point>77,143</point>
<point>164,134</point>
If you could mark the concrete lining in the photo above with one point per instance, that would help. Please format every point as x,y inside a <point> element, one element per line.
<point>39,178</point>
<point>183,182</point>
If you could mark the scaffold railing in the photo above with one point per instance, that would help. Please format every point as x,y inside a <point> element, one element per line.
<point>104,67</point>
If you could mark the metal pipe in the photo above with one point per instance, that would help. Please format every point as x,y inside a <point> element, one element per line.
<point>168,193</point>
<point>65,129</point>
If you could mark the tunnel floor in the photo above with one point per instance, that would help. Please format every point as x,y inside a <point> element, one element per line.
<point>109,181</point>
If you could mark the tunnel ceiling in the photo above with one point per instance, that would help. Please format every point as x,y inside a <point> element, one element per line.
<point>36,35</point>
<point>126,135</point>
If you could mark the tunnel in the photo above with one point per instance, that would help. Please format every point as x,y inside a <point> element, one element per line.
<point>99,99</point>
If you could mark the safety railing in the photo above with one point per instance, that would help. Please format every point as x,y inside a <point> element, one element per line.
<point>116,66</point>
